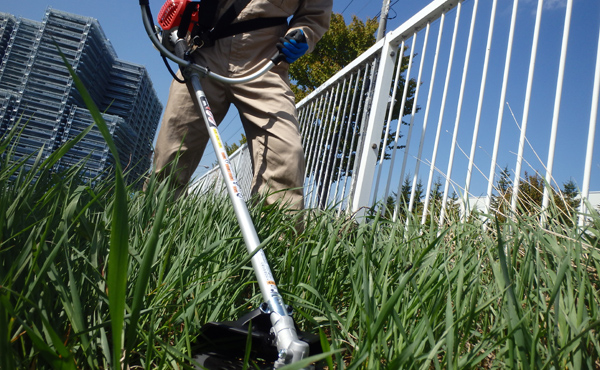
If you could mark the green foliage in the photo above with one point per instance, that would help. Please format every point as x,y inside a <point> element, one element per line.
<point>230,149</point>
<point>400,204</point>
<point>530,196</point>
<point>386,295</point>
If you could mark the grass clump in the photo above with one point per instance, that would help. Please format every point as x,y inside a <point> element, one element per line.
<point>511,295</point>
<point>389,296</point>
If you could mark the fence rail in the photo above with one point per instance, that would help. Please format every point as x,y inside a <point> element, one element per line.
<point>498,82</point>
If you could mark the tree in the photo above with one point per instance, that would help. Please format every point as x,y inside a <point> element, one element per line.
<point>230,149</point>
<point>338,47</point>
<point>504,182</point>
<point>570,202</point>
<point>435,199</point>
<point>571,193</point>
<point>530,197</point>
<point>500,204</point>
<point>404,198</point>
<point>390,205</point>
<point>419,191</point>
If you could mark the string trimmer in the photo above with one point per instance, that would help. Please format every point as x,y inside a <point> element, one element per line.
<point>274,336</point>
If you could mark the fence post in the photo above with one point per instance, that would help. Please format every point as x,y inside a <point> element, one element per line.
<point>372,139</point>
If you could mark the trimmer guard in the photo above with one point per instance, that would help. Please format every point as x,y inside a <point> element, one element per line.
<point>222,345</point>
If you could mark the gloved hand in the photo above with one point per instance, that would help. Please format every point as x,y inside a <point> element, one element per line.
<point>293,45</point>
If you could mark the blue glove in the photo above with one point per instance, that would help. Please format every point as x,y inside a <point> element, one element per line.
<point>293,45</point>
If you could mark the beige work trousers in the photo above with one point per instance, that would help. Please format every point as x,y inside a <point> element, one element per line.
<point>268,114</point>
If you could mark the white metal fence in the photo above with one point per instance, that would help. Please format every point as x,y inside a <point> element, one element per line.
<point>491,85</point>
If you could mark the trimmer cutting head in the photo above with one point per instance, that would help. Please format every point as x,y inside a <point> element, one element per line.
<point>222,345</point>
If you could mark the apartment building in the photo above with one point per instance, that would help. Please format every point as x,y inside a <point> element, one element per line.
<point>38,96</point>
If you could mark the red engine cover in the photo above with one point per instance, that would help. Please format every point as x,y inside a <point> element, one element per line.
<point>171,13</point>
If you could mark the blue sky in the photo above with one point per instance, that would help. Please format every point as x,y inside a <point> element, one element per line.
<point>121,22</point>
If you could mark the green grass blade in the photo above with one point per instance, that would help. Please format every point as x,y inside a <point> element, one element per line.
<point>310,360</point>
<point>515,318</point>
<point>325,347</point>
<point>145,267</point>
<point>6,360</point>
<point>58,357</point>
<point>248,347</point>
<point>449,332</point>
<point>118,259</point>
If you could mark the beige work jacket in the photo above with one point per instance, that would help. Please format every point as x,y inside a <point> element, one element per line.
<point>243,52</point>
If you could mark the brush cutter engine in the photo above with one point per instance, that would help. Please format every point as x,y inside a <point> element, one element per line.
<point>198,20</point>
<point>180,15</point>
<point>171,13</point>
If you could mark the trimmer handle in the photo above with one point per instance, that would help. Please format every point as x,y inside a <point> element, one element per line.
<point>181,49</point>
<point>279,57</point>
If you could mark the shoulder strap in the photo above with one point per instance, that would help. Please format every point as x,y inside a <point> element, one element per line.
<point>230,14</point>
<point>207,11</point>
<point>225,26</point>
<point>247,26</point>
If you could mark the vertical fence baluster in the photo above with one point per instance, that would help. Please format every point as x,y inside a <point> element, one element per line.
<point>461,95</point>
<point>426,119</point>
<point>412,121</point>
<point>556,112</point>
<point>494,161</point>
<point>441,116</point>
<point>525,120</point>
<point>585,189</point>
<point>484,74</point>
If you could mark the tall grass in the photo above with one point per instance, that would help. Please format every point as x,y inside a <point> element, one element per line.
<point>516,295</point>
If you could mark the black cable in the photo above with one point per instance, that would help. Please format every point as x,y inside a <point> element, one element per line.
<point>234,134</point>
<point>347,6</point>
<point>395,14</point>
<point>391,5</point>
<point>150,19</point>
<point>223,127</point>
<point>171,71</point>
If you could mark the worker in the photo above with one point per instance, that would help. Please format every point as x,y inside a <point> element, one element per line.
<point>266,105</point>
